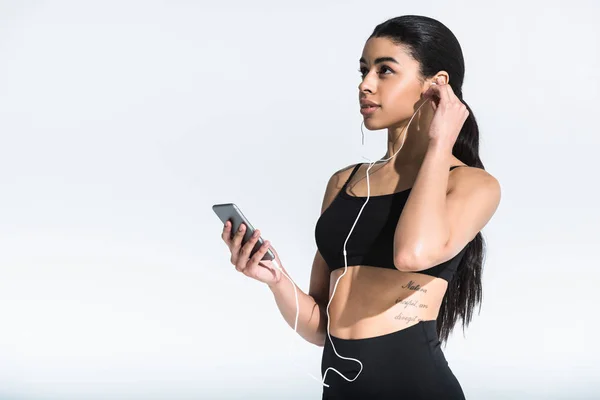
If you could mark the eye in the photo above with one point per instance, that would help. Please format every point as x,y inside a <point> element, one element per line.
<point>361,70</point>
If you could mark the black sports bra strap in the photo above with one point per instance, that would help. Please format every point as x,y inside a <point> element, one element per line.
<point>356,167</point>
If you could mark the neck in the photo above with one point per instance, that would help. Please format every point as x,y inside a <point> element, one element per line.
<point>414,140</point>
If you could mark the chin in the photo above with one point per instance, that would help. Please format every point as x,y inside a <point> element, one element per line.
<point>372,124</point>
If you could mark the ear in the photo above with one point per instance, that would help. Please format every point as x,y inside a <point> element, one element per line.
<point>432,82</point>
<point>441,78</point>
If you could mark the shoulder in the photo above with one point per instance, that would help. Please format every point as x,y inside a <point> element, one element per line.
<point>339,177</point>
<point>466,179</point>
<point>335,183</point>
<point>472,175</point>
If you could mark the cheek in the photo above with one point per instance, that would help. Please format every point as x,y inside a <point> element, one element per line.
<point>399,104</point>
<point>401,98</point>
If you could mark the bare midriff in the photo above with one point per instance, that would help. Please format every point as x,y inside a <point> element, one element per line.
<point>371,301</point>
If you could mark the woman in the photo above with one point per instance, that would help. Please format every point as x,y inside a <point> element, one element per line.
<point>414,259</point>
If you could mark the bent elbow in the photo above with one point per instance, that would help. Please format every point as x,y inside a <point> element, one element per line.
<point>406,263</point>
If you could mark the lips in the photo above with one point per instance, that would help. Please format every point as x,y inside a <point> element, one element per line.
<point>367,110</point>
<point>367,103</point>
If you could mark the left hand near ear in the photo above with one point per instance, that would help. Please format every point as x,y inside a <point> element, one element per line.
<point>449,115</point>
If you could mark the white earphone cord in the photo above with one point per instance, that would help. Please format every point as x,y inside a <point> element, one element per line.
<point>345,270</point>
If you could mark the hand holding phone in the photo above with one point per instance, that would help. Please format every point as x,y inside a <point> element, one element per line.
<point>249,253</point>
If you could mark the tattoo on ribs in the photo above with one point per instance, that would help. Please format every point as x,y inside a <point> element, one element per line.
<point>411,303</point>
<point>414,286</point>
<point>407,318</point>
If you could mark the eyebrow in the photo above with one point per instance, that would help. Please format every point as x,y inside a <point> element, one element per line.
<point>380,60</point>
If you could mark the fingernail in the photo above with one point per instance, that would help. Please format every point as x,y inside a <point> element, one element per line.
<point>241,228</point>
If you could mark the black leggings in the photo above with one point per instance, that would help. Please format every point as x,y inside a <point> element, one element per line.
<point>406,364</point>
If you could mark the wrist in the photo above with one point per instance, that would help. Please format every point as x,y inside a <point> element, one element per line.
<point>440,148</point>
<point>275,286</point>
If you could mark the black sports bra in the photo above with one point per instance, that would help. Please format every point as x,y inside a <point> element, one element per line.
<point>372,240</point>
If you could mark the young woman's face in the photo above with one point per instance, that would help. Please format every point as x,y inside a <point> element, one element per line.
<point>392,82</point>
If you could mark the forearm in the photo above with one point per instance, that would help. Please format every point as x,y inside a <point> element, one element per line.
<point>312,320</point>
<point>423,227</point>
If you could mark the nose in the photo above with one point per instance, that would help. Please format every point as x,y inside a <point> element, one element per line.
<point>366,84</point>
<point>363,87</point>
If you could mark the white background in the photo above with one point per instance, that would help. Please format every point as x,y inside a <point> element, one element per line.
<point>123,122</point>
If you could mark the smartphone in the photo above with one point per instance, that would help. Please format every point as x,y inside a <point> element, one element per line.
<point>231,212</point>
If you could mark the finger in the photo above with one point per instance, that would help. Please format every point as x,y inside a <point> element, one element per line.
<point>240,263</point>
<point>244,253</point>
<point>254,260</point>
<point>434,94</point>
<point>261,252</point>
<point>226,234</point>
<point>444,92</point>
<point>249,245</point>
<point>450,95</point>
<point>239,235</point>
<point>433,91</point>
<point>257,257</point>
<point>234,244</point>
